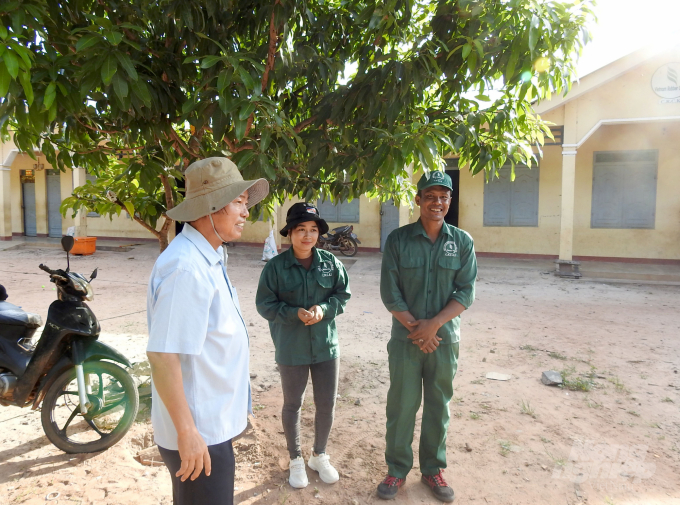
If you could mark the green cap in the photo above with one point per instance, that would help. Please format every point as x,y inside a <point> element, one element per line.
<point>435,178</point>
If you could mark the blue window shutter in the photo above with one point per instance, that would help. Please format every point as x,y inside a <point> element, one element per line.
<point>497,200</point>
<point>328,211</point>
<point>348,212</point>
<point>624,189</point>
<point>639,197</point>
<point>524,197</point>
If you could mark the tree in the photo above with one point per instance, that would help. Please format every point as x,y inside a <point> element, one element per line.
<point>323,98</point>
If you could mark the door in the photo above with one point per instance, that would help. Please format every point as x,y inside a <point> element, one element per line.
<point>389,220</point>
<point>452,215</point>
<point>28,199</point>
<point>53,180</point>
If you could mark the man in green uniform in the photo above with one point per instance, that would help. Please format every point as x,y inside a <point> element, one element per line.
<point>428,279</point>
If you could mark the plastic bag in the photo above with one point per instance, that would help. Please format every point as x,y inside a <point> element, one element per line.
<point>71,231</point>
<point>269,247</point>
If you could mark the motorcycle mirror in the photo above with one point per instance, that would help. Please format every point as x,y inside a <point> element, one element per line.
<point>67,243</point>
<point>94,275</point>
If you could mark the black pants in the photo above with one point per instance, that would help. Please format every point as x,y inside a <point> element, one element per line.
<point>325,385</point>
<point>218,489</point>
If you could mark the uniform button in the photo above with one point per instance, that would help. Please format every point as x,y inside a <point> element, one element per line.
<point>429,291</point>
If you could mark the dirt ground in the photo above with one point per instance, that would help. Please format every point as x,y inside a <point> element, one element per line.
<point>510,442</point>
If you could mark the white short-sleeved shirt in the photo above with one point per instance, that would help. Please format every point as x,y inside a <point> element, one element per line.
<point>193,311</point>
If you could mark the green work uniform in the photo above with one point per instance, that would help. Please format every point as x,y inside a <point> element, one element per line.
<point>285,286</point>
<point>423,277</point>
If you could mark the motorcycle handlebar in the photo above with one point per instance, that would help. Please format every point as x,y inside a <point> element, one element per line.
<point>46,269</point>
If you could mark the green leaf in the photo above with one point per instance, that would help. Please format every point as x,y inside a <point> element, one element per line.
<point>86,41</point>
<point>50,95</point>
<point>265,166</point>
<point>210,61</point>
<point>140,89</point>
<point>120,86</point>
<point>533,32</point>
<point>479,47</point>
<point>265,138</point>
<point>5,79</point>
<point>3,32</point>
<point>25,80</point>
<point>466,51</point>
<point>246,78</point>
<point>12,63</point>
<point>223,80</point>
<point>126,63</point>
<point>130,208</point>
<point>246,111</point>
<point>239,127</point>
<point>113,37</point>
<point>109,69</point>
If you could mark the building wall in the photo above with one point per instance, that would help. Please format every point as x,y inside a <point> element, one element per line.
<point>662,242</point>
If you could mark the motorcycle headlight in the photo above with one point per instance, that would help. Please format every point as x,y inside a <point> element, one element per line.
<point>89,296</point>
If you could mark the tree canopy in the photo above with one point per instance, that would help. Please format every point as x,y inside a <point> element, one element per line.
<point>333,98</point>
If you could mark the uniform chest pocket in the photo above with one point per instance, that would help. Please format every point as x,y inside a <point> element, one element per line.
<point>326,282</point>
<point>291,293</point>
<point>411,261</point>
<point>450,263</point>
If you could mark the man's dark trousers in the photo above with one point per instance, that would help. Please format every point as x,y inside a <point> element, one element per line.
<point>218,489</point>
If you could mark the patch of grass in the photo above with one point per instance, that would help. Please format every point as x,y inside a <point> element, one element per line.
<point>633,413</point>
<point>258,407</point>
<point>667,400</point>
<point>618,385</point>
<point>527,347</point>
<point>457,400</point>
<point>557,355</point>
<point>592,403</point>
<point>458,414</point>
<point>546,440</point>
<point>527,409</point>
<point>477,381</point>
<point>505,448</point>
<point>576,384</point>
<point>474,415</point>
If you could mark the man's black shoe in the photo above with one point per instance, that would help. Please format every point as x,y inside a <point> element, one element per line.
<point>388,488</point>
<point>440,489</point>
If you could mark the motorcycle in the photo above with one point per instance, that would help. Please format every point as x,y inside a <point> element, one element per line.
<point>88,401</point>
<point>341,239</point>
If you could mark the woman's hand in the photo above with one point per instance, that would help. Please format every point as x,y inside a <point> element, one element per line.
<point>317,315</point>
<point>305,315</point>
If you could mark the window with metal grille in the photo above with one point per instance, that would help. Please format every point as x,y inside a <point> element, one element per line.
<point>624,189</point>
<point>343,212</point>
<point>512,203</point>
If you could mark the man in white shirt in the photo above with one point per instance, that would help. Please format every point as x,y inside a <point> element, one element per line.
<point>198,342</point>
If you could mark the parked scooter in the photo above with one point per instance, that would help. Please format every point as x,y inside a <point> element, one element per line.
<point>341,239</point>
<point>88,404</point>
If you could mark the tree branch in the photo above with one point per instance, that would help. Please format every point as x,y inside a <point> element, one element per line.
<point>176,139</point>
<point>233,149</point>
<point>93,128</point>
<point>139,219</point>
<point>271,54</point>
<point>304,124</point>
<point>169,200</point>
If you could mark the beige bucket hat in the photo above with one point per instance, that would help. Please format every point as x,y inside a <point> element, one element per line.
<point>212,184</point>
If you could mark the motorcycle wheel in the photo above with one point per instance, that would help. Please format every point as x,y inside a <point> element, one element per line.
<point>348,246</point>
<point>114,403</point>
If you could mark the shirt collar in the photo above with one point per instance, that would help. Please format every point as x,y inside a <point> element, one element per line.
<point>290,259</point>
<point>196,237</point>
<point>419,229</point>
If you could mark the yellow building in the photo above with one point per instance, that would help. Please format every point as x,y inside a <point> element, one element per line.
<point>607,188</point>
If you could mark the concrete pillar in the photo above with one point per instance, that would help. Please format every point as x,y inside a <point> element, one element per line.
<point>567,206</point>
<point>80,221</point>
<point>568,182</point>
<point>5,204</point>
<point>7,155</point>
<point>41,203</point>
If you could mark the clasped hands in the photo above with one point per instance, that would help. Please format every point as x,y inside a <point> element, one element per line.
<point>424,334</point>
<point>311,316</point>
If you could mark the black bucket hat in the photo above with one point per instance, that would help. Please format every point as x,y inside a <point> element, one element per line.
<point>301,213</point>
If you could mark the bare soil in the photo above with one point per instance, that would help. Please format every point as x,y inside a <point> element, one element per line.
<point>613,438</point>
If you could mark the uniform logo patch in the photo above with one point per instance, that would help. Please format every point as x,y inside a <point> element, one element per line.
<point>437,176</point>
<point>326,269</point>
<point>450,248</point>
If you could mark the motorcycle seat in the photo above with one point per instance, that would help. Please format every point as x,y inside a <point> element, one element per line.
<point>341,229</point>
<point>12,315</point>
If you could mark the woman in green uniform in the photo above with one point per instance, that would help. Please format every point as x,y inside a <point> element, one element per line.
<point>300,293</point>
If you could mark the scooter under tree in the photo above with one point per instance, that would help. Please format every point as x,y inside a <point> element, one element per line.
<point>88,401</point>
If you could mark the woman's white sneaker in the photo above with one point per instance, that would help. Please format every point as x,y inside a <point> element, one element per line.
<point>322,464</point>
<point>298,474</point>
